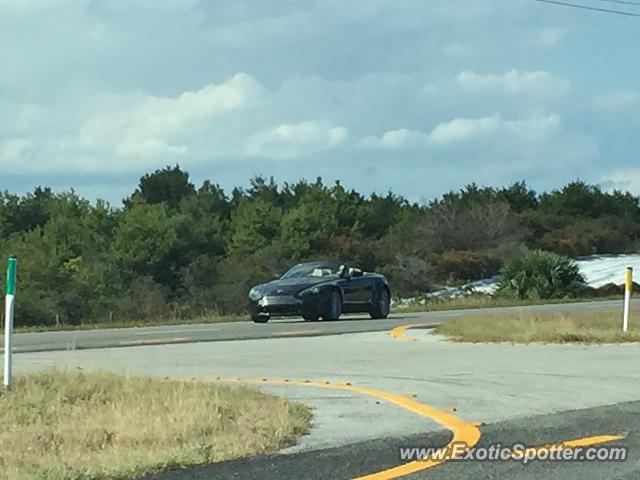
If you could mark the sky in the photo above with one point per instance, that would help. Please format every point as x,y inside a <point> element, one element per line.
<point>414,96</point>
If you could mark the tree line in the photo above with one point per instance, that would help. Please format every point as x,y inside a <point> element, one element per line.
<point>176,250</point>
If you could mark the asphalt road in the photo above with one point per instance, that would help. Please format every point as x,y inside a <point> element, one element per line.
<point>362,458</point>
<point>127,337</point>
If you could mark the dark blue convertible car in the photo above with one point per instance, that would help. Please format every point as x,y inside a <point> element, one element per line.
<point>321,290</point>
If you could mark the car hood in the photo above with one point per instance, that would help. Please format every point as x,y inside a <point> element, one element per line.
<point>291,286</point>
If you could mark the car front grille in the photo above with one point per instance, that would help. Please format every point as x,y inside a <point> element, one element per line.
<point>279,300</point>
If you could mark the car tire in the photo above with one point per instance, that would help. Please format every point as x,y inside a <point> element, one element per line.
<point>333,308</point>
<point>382,306</point>
<point>260,318</point>
<point>311,318</point>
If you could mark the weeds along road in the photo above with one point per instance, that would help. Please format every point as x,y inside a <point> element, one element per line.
<point>294,327</point>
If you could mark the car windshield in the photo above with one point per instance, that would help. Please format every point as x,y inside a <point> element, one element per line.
<point>315,269</point>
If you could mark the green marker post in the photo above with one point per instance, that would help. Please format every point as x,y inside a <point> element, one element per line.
<point>8,317</point>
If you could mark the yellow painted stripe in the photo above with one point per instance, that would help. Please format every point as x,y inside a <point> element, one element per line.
<point>153,341</point>
<point>400,333</point>
<point>462,431</point>
<point>576,442</point>
<point>298,332</point>
<point>467,432</point>
<point>628,281</point>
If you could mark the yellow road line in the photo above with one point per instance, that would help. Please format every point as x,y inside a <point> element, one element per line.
<point>576,442</point>
<point>462,431</point>
<point>153,341</point>
<point>298,332</point>
<point>400,332</point>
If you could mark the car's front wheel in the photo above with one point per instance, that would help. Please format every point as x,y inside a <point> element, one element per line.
<point>382,306</point>
<point>333,308</point>
<point>260,318</point>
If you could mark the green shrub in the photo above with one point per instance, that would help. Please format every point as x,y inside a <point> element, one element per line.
<point>541,275</point>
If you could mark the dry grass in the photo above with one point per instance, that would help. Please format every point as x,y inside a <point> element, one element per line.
<point>475,301</point>
<point>548,327</point>
<point>73,425</point>
<point>134,323</point>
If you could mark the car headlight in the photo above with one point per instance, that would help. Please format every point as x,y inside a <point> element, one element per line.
<point>310,291</point>
<point>255,293</point>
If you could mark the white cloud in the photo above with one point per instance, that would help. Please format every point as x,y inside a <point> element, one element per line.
<point>463,129</point>
<point>460,130</point>
<point>617,100</point>
<point>234,119</point>
<point>289,140</point>
<point>625,179</point>
<point>151,125</point>
<point>395,139</point>
<point>119,132</point>
<point>513,82</point>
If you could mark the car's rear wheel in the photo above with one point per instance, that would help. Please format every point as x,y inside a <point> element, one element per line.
<point>382,306</point>
<point>333,308</point>
<point>260,318</point>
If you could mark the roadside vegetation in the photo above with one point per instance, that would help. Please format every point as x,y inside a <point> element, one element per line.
<point>74,425</point>
<point>541,275</point>
<point>174,251</point>
<point>480,301</point>
<point>543,327</point>
<point>134,323</point>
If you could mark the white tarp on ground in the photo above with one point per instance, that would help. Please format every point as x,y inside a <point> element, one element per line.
<point>598,270</point>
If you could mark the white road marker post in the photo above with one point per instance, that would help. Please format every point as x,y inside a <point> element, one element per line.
<point>628,286</point>
<point>8,319</point>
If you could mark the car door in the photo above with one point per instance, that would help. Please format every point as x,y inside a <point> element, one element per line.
<point>369,290</point>
<point>350,292</point>
<point>359,288</point>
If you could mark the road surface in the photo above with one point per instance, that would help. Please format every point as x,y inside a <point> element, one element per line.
<point>127,337</point>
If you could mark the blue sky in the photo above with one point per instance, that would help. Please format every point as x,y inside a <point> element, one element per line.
<point>414,96</point>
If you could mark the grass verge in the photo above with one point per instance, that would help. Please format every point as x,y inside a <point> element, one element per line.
<point>134,323</point>
<point>548,327</point>
<point>469,302</point>
<point>83,426</point>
